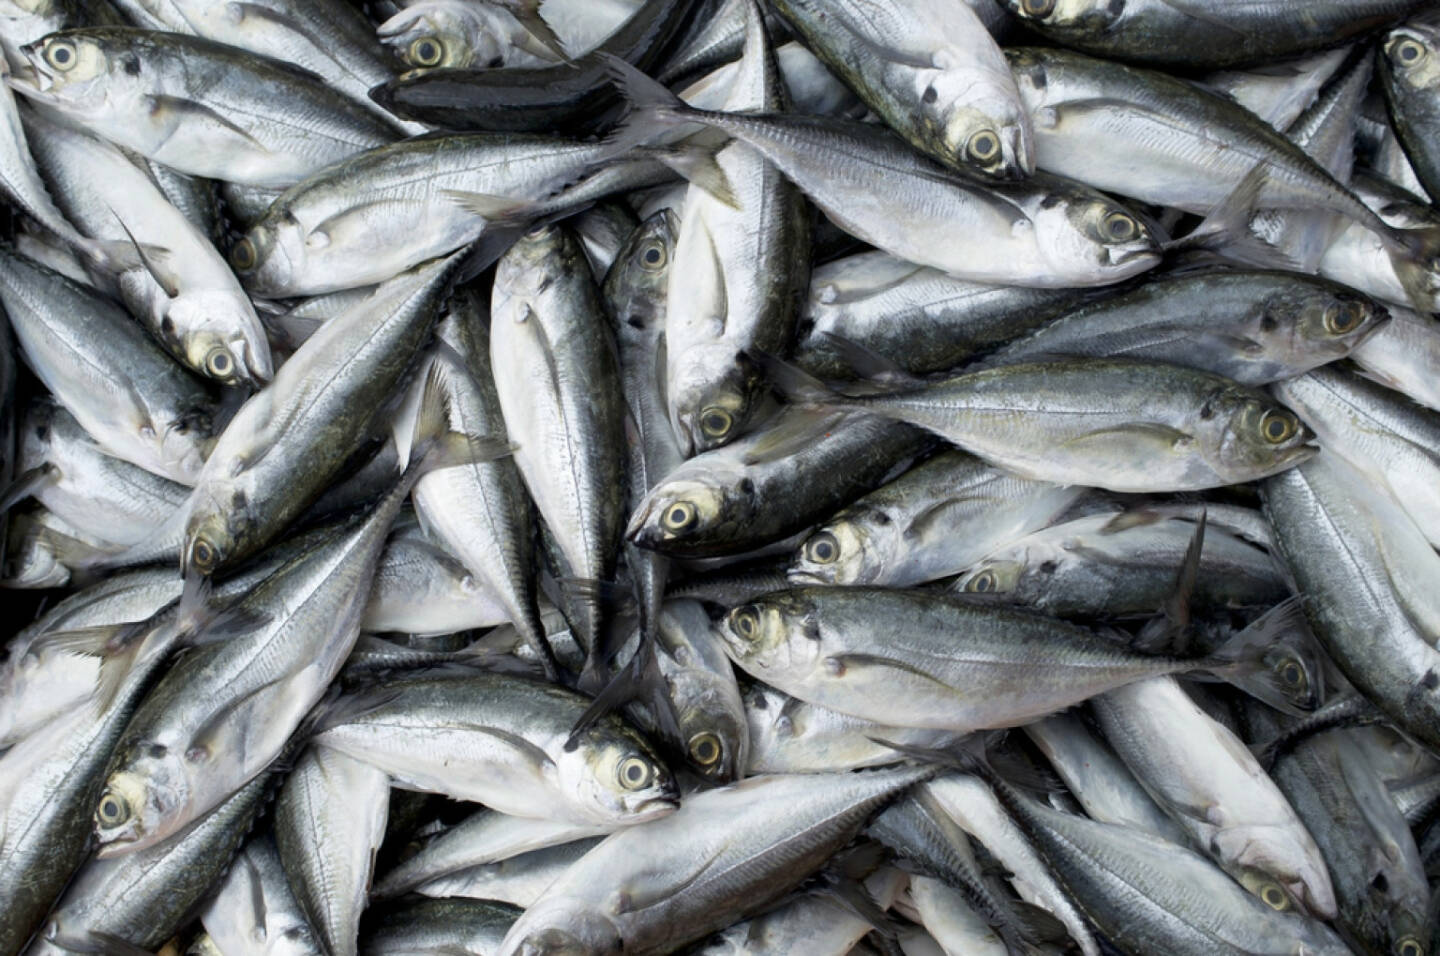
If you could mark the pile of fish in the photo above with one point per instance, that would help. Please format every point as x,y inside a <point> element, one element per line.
<point>720,476</point>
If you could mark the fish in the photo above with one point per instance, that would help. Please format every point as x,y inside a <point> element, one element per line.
<point>1408,80</point>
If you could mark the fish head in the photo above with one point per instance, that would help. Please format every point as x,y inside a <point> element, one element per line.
<point>775,632</point>
<point>37,435</point>
<point>980,126</point>
<point>643,265</point>
<point>1245,435</point>
<point>448,34</point>
<point>219,529</point>
<point>1306,326</point>
<point>617,777</point>
<point>841,552</point>
<point>1411,55</point>
<point>713,403</point>
<point>685,509</point>
<point>79,74</point>
<point>996,575</point>
<point>1069,18</point>
<point>1091,239</point>
<point>1277,879</point>
<point>192,327</point>
<point>270,255</point>
<point>716,735</point>
<point>561,926</point>
<point>142,804</point>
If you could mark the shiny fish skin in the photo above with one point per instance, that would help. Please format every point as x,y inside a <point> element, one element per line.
<point>1412,92</point>
<point>254,912</point>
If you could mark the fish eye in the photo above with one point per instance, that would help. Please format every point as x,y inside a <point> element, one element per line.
<point>242,255</point>
<point>653,256</point>
<point>823,548</point>
<point>1408,51</point>
<point>1292,674</point>
<point>982,583</point>
<point>1344,319</point>
<point>1409,946</point>
<point>427,51</point>
<point>1121,227</point>
<point>745,621</point>
<point>1278,426</point>
<point>1037,8</point>
<point>679,516</point>
<point>203,555</point>
<point>635,773</point>
<point>983,146</point>
<point>716,422</point>
<point>705,749</point>
<point>62,55</point>
<point>930,95</point>
<point>219,363</point>
<point>1273,896</point>
<point>113,810</point>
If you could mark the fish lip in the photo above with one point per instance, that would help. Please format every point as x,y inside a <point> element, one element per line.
<point>655,807</point>
<point>635,529</point>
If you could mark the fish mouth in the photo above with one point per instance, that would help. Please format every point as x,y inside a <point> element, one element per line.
<point>655,808</point>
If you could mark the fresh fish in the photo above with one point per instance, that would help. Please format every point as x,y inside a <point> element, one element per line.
<point>1380,433</point>
<point>919,318</point>
<point>1279,92</point>
<point>1367,574</point>
<point>557,377</point>
<point>927,659</point>
<point>519,880</point>
<point>724,855</point>
<point>188,298</point>
<point>735,285</point>
<point>1081,237</point>
<point>329,820</point>
<point>201,107</point>
<point>103,369</point>
<point>1411,85</point>
<point>931,71</point>
<point>500,741</point>
<point>1253,327</point>
<point>1122,424</point>
<point>937,519</point>
<point>1404,355</point>
<point>420,588</point>
<point>254,912</point>
<point>438,928</point>
<point>453,34</point>
<point>770,484</point>
<point>1192,35</point>
<point>1117,564</point>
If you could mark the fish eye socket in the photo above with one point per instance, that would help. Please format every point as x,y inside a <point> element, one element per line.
<point>1278,426</point>
<point>653,256</point>
<point>716,422</point>
<point>1274,897</point>
<point>746,622</point>
<point>823,548</point>
<point>62,55</point>
<point>1292,674</point>
<point>1409,946</point>
<point>678,516</point>
<point>1343,319</point>
<point>219,363</point>
<point>202,554</point>
<point>705,749</point>
<point>930,95</point>
<point>635,773</point>
<point>1121,227</point>
<point>242,255</point>
<point>982,583</point>
<point>113,810</point>
<point>983,146</point>
<point>427,51</point>
<point>1408,51</point>
<point>1037,8</point>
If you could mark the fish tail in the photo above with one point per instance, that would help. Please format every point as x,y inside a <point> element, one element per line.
<point>653,108</point>
<point>1415,255</point>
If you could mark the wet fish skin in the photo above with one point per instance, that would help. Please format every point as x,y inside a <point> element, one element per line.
<point>1120,424</point>
<point>254,912</point>
<point>1402,354</point>
<point>558,382</point>
<point>932,72</point>
<point>130,396</point>
<point>777,831</point>
<point>422,589</point>
<point>329,820</point>
<point>769,484</point>
<point>438,927</point>
<point>519,880</point>
<point>1375,585</point>
<point>1200,36</point>
<point>931,522</point>
<point>501,740</point>
<point>1252,327</point>
<point>1411,84</point>
<point>1123,564</point>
